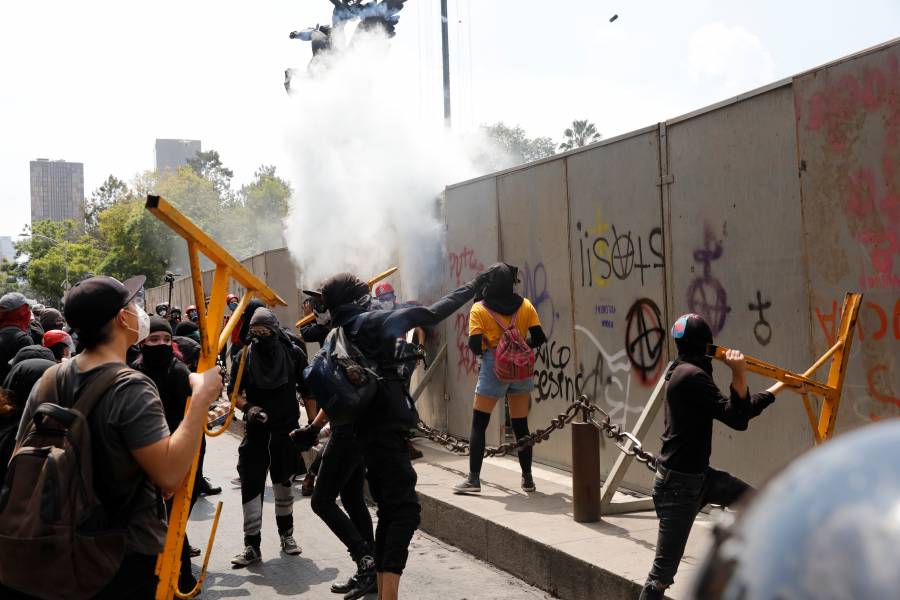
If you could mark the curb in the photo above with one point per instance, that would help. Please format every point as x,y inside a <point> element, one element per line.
<point>556,572</point>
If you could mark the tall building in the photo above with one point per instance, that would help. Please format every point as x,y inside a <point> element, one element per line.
<point>7,250</point>
<point>57,190</point>
<point>171,154</point>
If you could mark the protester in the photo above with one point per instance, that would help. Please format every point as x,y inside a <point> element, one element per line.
<point>135,457</point>
<point>35,330</point>
<point>28,365</point>
<point>174,316</point>
<point>159,361</point>
<point>187,337</point>
<point>192,314</point>
<point>684,481</point>
<point>15,321</point>
<point>500,309</point>
<point>162,309</point>
<point>52,319</point>
<point>270,382</point>
<point>60,343</point>
<point>384,430</point>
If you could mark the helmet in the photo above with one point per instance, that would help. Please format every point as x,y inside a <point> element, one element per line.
<point>191,312</point>
<point>162,309</point>
<point>382,289</point>
<point>826,528</point>
<point>56,336</point>
<point>230,298</point>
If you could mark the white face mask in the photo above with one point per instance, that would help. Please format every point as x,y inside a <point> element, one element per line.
<point>323,318</point>
<point>143,329</point>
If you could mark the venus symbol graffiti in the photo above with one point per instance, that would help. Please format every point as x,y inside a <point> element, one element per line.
<point>706,296</point>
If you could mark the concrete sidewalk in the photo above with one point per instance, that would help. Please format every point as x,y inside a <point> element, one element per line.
<point>534,537</point>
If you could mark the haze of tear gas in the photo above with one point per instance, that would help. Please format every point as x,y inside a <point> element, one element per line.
<point>368,171</point>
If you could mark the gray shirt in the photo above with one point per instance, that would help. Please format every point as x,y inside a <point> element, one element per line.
<point>128,417</point>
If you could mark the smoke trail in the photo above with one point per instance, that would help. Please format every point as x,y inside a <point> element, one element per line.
<point>367,171</point>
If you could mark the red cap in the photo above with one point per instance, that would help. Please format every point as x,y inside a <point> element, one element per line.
<point>382,289</point>
<point>56,336</point>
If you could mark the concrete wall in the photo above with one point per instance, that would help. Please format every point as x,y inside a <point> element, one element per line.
<point>759,213</point>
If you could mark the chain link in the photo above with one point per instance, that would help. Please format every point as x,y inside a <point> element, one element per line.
<point>624,440</point>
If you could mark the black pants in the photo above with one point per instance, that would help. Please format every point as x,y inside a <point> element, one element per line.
<point>264,451</point>
<point>392,482</point>
<point>186,546</point>
<point>342,472</point>
<point>678,497</point>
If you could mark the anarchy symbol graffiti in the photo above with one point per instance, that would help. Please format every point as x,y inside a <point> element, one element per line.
<point>644,336</point>
<point>706,296</point>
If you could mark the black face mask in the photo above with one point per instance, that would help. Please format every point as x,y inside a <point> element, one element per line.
<point>156,357</point>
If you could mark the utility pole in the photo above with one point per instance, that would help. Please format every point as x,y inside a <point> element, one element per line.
<point>445,48</point>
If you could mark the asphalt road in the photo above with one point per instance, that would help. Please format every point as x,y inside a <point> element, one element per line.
<point>435,570</point>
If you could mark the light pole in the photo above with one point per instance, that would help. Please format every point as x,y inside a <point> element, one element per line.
<point>65,244</point>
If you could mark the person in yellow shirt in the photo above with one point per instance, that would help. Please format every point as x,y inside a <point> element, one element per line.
<point>499,309</point>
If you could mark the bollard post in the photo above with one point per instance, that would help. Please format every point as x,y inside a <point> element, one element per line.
<point>585,472</point>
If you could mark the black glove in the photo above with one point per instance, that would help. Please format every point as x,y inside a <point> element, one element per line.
<point>293,34</point>
<point>255,414</point>
<point>305,437</point>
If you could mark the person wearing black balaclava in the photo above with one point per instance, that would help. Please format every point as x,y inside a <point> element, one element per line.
<point>684,481</point>
<point>273,375</point>
<point>159,362</point>
<point>500,308</point>
<point>384,429</point>
<point>27,367</point>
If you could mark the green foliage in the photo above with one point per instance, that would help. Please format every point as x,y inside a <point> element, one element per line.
<point>110,191</point>
<point>47,261</point>
<point>208,165</point>
<point>581,133</point>
<point>265,202</point>
<point>134,242</point>
<point>517,145</point>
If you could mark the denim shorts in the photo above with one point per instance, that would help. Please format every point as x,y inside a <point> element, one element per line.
<point>488,385</point>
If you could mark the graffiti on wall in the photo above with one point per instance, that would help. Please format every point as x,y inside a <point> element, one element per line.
<point>462,263</point>
<point>606,377</point>
<point>608,253</point>
<point>762,330</point>
<point>644,339</point>
<point>706,295</point>
<point>535,287</point>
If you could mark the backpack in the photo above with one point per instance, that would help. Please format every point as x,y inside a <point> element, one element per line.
<point>513,358</point>
<point>342,379</point>
<point>55,535</point>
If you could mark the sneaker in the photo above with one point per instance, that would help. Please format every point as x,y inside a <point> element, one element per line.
<point>289,545</point>
<point>528,482</point>
<point>207,489</point>
<point>194,551</point>
<point>343,588</point>
<point>236,480</point>
<point>249,556</point>
<point>470,485</point>
<point>308,485</point>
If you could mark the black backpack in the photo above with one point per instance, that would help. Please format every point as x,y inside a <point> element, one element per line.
<point>56,538</point>
<point>342,379</point>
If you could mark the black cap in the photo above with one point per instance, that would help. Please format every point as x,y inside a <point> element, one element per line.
<point>160,324</point>
<point>342,288</point>
<point>91,303</point>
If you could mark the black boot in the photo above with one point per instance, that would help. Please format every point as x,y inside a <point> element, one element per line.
<point>343,588</point>
<point>366,579</point>
<point>207,489</point>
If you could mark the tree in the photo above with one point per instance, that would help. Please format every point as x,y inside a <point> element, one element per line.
<point>133,242</point>
<point>209,166</point>
<point>265,203</point>
<point>581,133</point>
<point>110,191</point>
<point>45,263</point>
<point>517,145</point>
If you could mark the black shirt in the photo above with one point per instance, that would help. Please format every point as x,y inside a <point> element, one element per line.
<point>692,402</point>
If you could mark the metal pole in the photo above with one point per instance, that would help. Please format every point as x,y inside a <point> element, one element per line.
<point>445,48</point>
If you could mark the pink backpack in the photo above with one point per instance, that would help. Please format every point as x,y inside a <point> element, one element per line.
<point>513,358</point>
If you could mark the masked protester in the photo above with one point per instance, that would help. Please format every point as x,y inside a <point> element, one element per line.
<point>60,343</point>
<point>52,319</point>
<point>684,481</point>
<point>174,316</point>
<point>499,309</point>
<point>271,379</point>
<point>15,320</point>
<point>384,430</point>
<point>136,460</point>
<point>192,314</point>
<point>28,365</point>
<point>158,361</point>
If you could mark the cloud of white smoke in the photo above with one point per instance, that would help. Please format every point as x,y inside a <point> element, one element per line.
<point>367,171</point>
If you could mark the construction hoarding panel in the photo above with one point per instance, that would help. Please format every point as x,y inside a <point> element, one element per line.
<point>472,245</point>
<point>534,225</point>
<point>848,135</point>
<point>738,259</point>
<point>618,271</point>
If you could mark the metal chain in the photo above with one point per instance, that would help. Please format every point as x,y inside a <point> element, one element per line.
<point>624,440</point>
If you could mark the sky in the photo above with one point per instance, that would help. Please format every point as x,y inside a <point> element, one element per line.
<point>97,82</point>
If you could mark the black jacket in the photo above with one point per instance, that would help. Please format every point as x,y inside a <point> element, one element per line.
<point>375,333</point>
<point>12,339</point>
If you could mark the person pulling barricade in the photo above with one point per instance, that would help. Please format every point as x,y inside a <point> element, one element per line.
<point>498,326</point>
<point>684,481</point>
<point>272,376</point>
<point>370,391</point>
